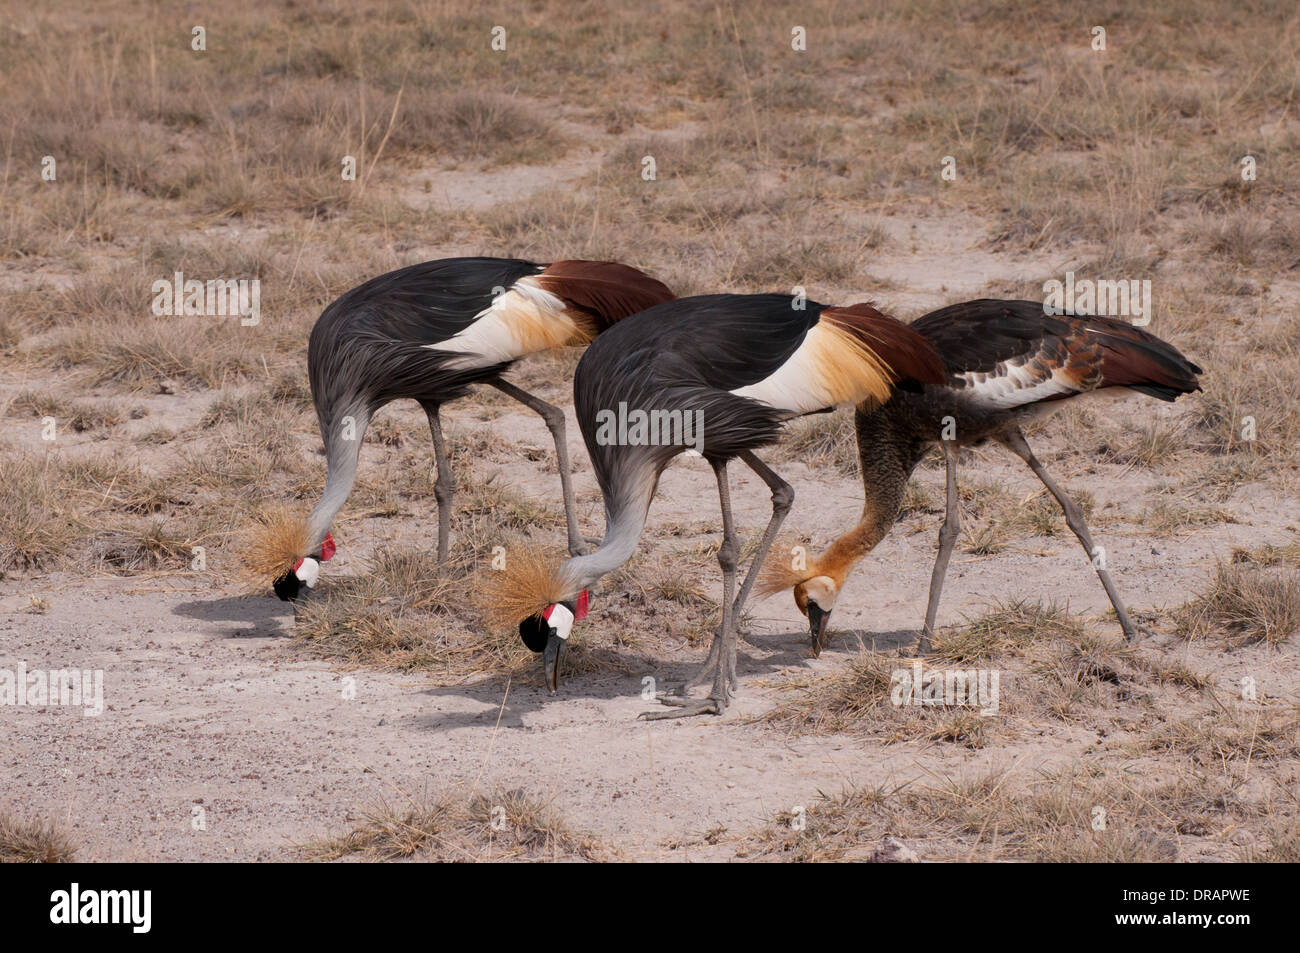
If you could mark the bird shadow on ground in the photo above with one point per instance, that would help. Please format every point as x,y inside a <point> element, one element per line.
<point>857,640</point>
<point>256,616</point>
<point>606,674</point>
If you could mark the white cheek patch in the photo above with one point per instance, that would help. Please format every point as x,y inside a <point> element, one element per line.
<point>308,571</point>
<point>560,619</point>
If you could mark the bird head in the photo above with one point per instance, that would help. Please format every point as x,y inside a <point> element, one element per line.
<point>304,572</point>
<point>815,582</point>
<point>815,598</point>
<point>537,592</point>
<point>278,548</point>
<point>547,633</point>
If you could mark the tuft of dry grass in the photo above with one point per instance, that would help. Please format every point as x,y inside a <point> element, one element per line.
<point>401,614</point>
<point>1246,603</point>
<point>460,827</point>
<point>844,700</point>
<point>1007,627</point>
<point>277,539</point>
<point>38,523</point>
<point>861,699</point>
<point>822,441</point>
<point>33,842</point>
<point>1235,736</point>
<point>1073,815</point>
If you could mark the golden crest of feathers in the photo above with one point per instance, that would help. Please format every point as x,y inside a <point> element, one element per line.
<point>529,581</point>
<point>277,539</point>
<point>778,575</point>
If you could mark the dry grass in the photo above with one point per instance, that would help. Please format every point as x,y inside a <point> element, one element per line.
<point>1245,604</point>
<point>462,827</point>
<point>1006,628</point>
<point>1072,816</point>
<point>38,523</point>
<point>1231,737</point>
<point>822,441</point>
<point>1048,664</point>
<point>33,842</point>
<point>401,613</point>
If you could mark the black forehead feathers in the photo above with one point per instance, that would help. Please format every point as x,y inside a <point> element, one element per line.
<point>535,631</point>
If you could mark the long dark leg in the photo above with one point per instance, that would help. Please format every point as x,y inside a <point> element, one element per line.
<point>554,418</point>
<point>444,487</point>
<point>715,665</point>
<point>948,534</point>
<point>721,663</point>
<point>1016,443</point>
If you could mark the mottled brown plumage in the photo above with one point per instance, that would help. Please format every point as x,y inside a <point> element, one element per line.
<point>1006,362</point>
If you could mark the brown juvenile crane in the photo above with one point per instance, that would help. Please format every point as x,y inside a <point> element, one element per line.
<point>1007,363</point>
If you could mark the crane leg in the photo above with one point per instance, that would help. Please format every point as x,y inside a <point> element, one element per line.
<point>554,418</point>
<point>721,662</point>
<point>444,486</point>
<point>948,535</point>
<point>1016,443</point>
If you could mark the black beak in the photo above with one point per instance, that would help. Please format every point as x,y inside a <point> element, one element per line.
<point>551,658</point>
<point>287,587</point>
<point>817,619</point>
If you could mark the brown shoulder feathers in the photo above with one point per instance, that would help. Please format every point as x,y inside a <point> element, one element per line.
<point>606,290</point>
<point>905,352</point>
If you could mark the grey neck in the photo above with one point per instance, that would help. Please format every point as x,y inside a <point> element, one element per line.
<point>622,533</point>
<point>343,437</point>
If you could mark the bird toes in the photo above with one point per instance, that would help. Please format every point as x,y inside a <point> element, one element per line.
<point>685,708</point>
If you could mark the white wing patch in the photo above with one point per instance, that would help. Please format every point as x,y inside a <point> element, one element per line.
<point>828,369</point>
<point>1014,385</point>
<point>523,319</point>
<point>792,386</point>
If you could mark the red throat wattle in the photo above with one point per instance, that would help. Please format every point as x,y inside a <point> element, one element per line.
<point>327,548</point>
<point>580,612</point>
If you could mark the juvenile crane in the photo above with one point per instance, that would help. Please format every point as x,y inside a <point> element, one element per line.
<point>429,332</point>
<point>1007,363</point>
<point>737,367</point>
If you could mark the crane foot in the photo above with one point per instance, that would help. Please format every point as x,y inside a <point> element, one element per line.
<point>681,707</point>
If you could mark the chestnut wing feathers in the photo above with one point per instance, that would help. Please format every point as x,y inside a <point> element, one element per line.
<point>605,290</point>
<point>1010,353</point>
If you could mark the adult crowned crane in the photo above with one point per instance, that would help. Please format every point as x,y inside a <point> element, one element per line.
<point>738,365</point>
<point>1007,363</point>
<point>429,332</point>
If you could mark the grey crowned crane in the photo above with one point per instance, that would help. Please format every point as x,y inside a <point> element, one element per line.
<point>1007,363</point>
<point>740,365</point>
<point>428,333</point>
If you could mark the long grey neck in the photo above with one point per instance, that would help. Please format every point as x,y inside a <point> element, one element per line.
<point>624,523</point>
<point>343,435</point>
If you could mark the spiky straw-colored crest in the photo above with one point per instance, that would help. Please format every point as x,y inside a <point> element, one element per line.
<point>529,581</point>
<point>277,539</point>
<point>779,575</point>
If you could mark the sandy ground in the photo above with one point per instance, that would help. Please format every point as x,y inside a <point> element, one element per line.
<point>208,706</point>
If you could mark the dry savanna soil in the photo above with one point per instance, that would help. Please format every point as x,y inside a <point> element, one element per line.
<point>911,154</point>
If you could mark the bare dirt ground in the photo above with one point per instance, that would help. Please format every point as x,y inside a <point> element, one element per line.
<point>208,705</point>
<point>283,730</point>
